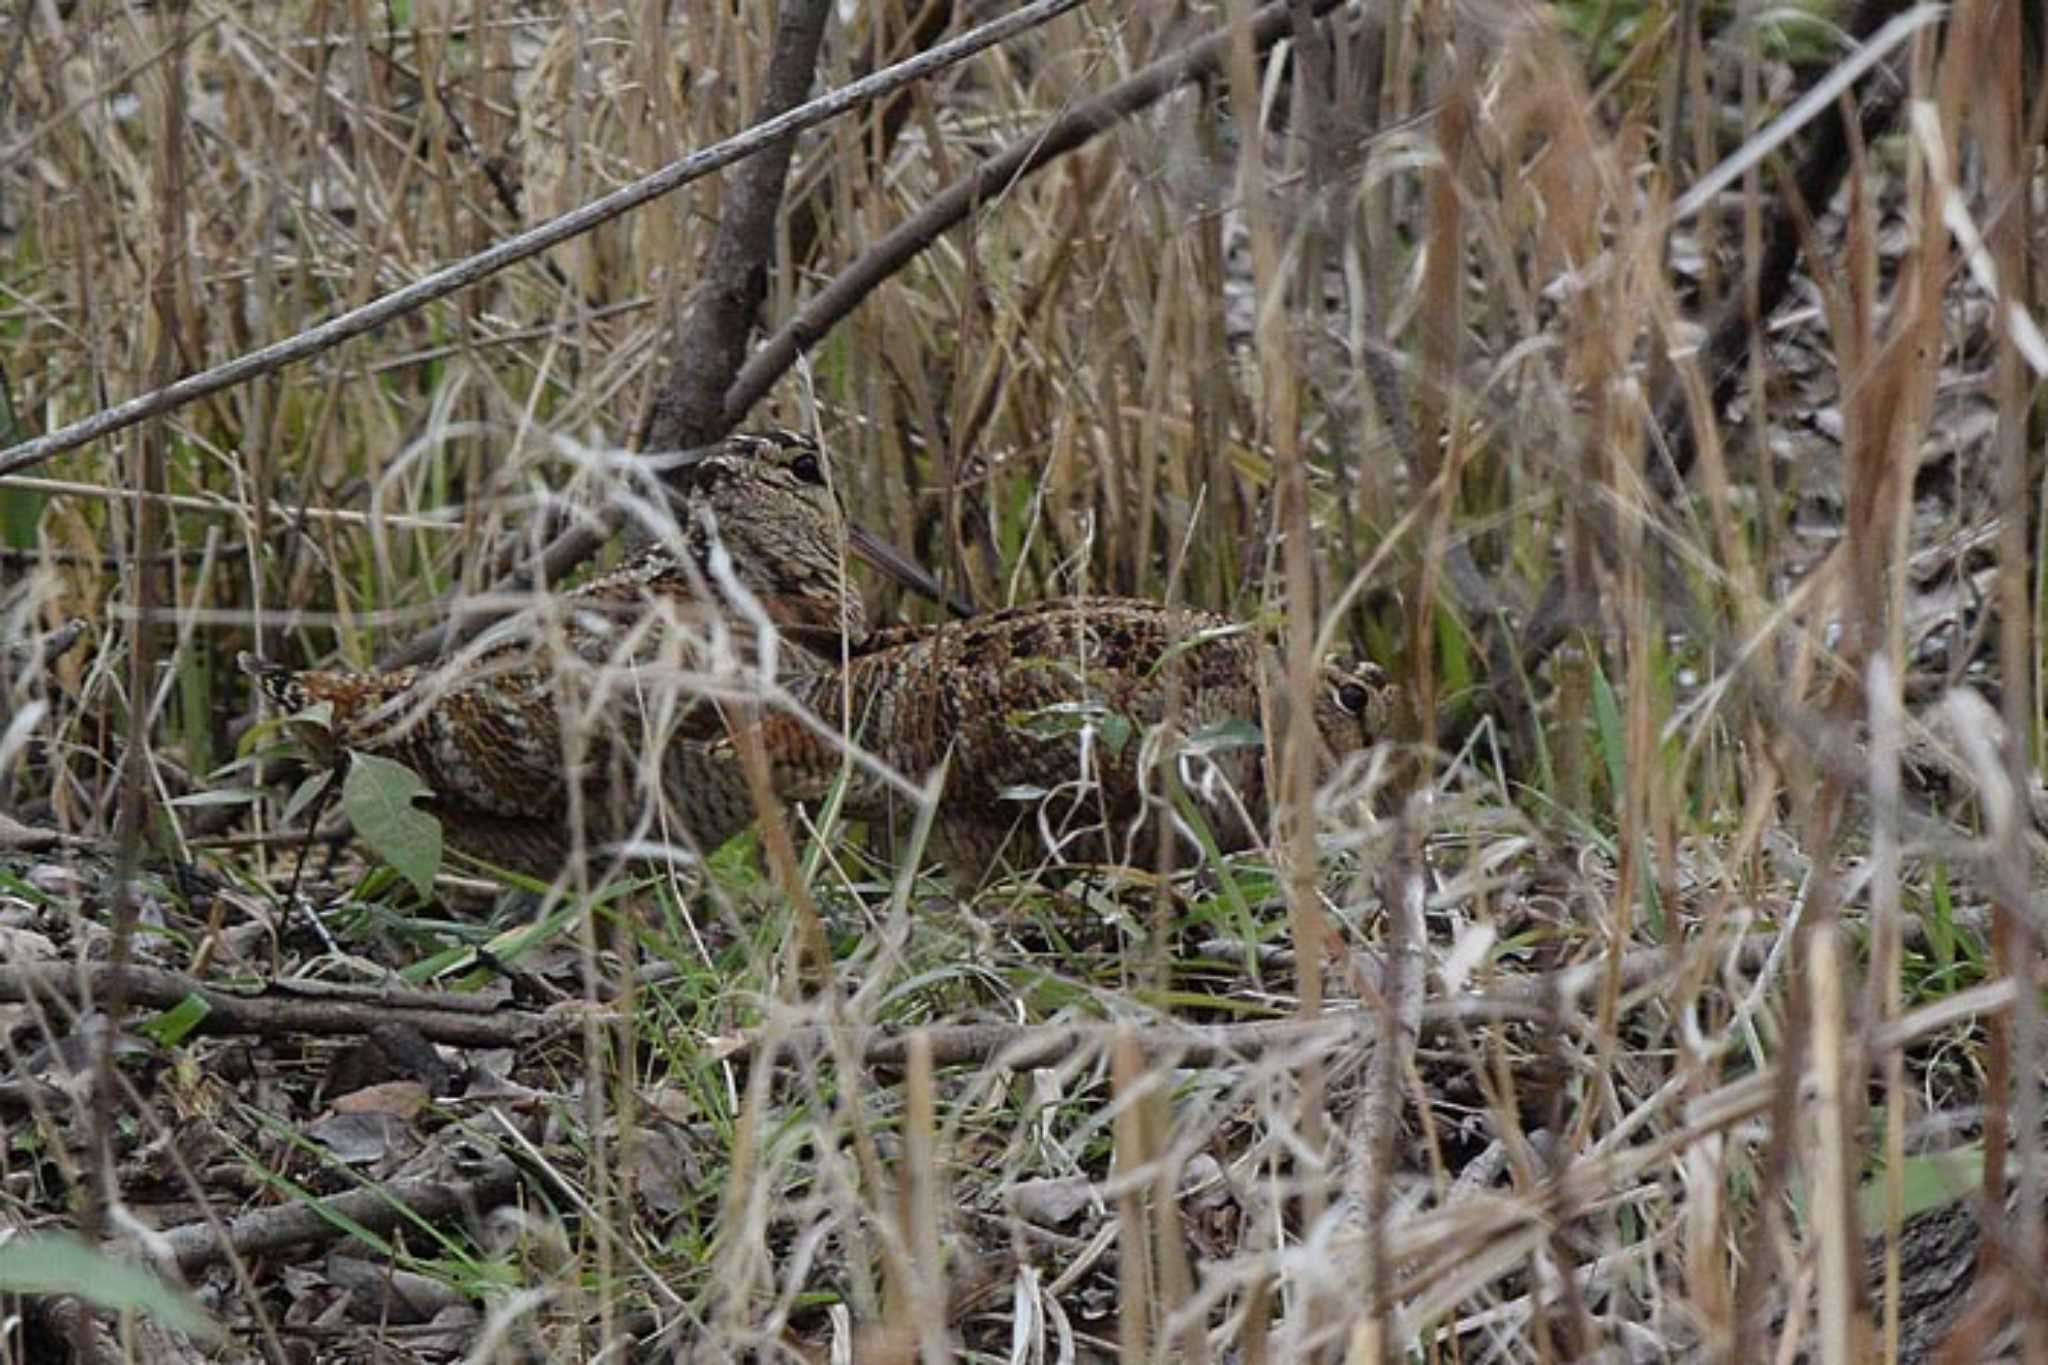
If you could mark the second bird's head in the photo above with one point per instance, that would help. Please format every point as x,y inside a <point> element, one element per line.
<point>771,500</point>
<point>766,499</point>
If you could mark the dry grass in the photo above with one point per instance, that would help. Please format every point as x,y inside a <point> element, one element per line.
<point>1640,1011</point>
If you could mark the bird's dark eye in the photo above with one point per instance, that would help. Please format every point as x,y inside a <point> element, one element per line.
<point>1353,697</point>
<point>807,468</point>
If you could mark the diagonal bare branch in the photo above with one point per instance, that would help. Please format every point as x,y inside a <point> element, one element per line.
<point>1076,128</point>
<point>553,233</point>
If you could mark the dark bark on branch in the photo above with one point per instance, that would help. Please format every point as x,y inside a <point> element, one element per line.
<point>285,1009</point>
<point>688,409</point>
<point>376,1208</point>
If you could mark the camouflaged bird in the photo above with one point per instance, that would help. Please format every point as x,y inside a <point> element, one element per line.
<point>586,706</point>
<point>1050,722</point>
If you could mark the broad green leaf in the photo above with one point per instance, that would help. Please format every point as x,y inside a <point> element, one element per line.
<point>11,430</point>
<point>20,508</point>
<point>378,795</point>
<point>319,715</point>
<point>20,511</point>
<point>58,1263</point>
<point>313,728</point>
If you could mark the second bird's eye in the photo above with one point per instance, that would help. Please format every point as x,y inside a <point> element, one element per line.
<point>807,468</point>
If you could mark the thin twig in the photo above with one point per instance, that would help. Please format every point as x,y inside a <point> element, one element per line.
<point>220,506</point>
<point>1021,1047</point>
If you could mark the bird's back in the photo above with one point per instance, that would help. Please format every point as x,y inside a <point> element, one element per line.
<point>1048,719</point>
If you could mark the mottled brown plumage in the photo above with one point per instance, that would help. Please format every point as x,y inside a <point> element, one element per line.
<point>592,694</point>
<point>621,705</point>
<point>1011,702</point>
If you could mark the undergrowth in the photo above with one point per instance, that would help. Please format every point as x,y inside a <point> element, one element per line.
<point>1632,994</point>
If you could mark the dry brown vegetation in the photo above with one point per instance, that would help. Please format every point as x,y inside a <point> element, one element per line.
<point>1658,992</point>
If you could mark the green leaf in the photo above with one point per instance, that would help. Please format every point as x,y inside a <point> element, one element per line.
<point>11,430</point>
<point>1075,718</point>
<point>58,1263</point>
<point>226,796</point>
<point>312,729</point>
<point>319,716</point>
<point>1930,1181</point>
<point>378,795</point>
<point>1612,735</point>
<point>227,770</point>
<point>1224,735</point>
<point>1058,720</point>
<point>175,1024</point>
<point>1194,640</point>
<point>21,509</point>
<point>20,512</point>
<point>1455,668</point>
<point>307,791</point>
<point>1116,732</point>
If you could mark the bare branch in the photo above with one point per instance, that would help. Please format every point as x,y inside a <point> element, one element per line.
<point>283,1009</point>
<point>531,243</point>
<point>374,1208</point>
<point>1074,129</point>
<point>687,409</point>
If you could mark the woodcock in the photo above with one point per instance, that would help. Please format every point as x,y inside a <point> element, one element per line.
<point>1062,702</point>
<point>608,681</point>
<point>1050,719</point>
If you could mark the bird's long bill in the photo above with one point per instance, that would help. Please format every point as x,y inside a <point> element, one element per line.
<point>886,558</point>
